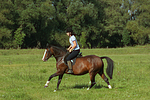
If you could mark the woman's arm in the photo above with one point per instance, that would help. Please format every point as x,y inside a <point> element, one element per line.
<point>75,44</point>
<point>69,47</point>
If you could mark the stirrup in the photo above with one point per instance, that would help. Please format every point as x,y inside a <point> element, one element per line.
<point>70,71</point>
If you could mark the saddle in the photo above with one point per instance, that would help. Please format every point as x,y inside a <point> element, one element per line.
<point>72,60</point>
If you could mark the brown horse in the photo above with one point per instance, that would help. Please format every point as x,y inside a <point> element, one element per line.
<point>88,64</point>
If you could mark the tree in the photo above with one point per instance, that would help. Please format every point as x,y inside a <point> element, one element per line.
<point>140,27</point>
<point>83,40</point>
<point>19,36</point>
<point>126,39</point>
<point>97,23</point>
<point>8,21</point>
<point>138,33</point>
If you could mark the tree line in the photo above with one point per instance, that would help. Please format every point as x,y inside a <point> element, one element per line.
<point>97,23</point>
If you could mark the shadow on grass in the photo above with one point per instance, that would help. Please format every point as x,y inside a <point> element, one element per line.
<point>96,86</point>
<point>119,87</point>
<point>79,86</point>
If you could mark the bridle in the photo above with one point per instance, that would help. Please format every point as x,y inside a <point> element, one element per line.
<point>46,53</point>
<point>50,51</point>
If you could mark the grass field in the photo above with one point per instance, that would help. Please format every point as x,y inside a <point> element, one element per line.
<point>23,75</point>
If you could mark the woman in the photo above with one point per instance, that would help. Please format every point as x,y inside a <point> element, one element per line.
<point>74,48</point>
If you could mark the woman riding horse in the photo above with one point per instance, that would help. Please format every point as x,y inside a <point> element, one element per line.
<point>91,64</point>
<point>74,46</point>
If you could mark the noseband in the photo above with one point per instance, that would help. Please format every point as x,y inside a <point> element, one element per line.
<point>48,51</point>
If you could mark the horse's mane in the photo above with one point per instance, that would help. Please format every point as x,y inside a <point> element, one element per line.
<point>59,50</point>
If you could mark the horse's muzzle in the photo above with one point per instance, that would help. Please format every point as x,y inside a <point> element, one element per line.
<point>44,60</point>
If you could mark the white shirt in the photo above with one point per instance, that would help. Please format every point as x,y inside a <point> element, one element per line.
<point>71,39</point>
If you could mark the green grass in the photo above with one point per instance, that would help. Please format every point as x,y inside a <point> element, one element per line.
<point>23,75</point>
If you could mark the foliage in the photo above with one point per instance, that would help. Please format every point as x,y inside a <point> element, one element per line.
<point>5,38</point>
<point>83,40</point>
<point>19,36</point>
<point>138,33</point>
<point>62,39</point>
<point>126,37</point>
<point>104,22</point>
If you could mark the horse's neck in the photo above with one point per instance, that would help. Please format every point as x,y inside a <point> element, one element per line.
<point>59,53</point>
<point>59,57</point>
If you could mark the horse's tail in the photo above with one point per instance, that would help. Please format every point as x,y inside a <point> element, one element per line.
<point>110,66</point>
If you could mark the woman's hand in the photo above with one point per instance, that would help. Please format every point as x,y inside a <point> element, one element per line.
<point>70,50</point>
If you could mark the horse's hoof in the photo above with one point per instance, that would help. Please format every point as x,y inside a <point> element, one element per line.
<point>88,88</point>
<point>45,86</point>
<point>54,90</point>
<point>109,86</point>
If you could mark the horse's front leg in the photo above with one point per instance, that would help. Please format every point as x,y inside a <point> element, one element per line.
<point>59,81</point>
<point>53,75</point>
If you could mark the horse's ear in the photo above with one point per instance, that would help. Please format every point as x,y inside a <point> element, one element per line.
<point>47,45</point>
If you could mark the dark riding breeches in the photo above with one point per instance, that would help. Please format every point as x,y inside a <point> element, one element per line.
<point>73,54</point>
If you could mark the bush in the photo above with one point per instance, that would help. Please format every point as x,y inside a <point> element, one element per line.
<point>125,38</point>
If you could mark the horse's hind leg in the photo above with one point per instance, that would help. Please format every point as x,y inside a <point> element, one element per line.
<point>105,79</point>
<point>92,78</point>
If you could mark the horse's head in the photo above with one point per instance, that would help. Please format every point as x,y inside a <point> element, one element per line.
<point>47,54</point>
<point>57,52</point>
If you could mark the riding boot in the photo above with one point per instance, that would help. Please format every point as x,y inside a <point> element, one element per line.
<point>69,67</point>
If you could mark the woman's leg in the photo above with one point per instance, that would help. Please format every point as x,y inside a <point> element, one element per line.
<point>72,55</point>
